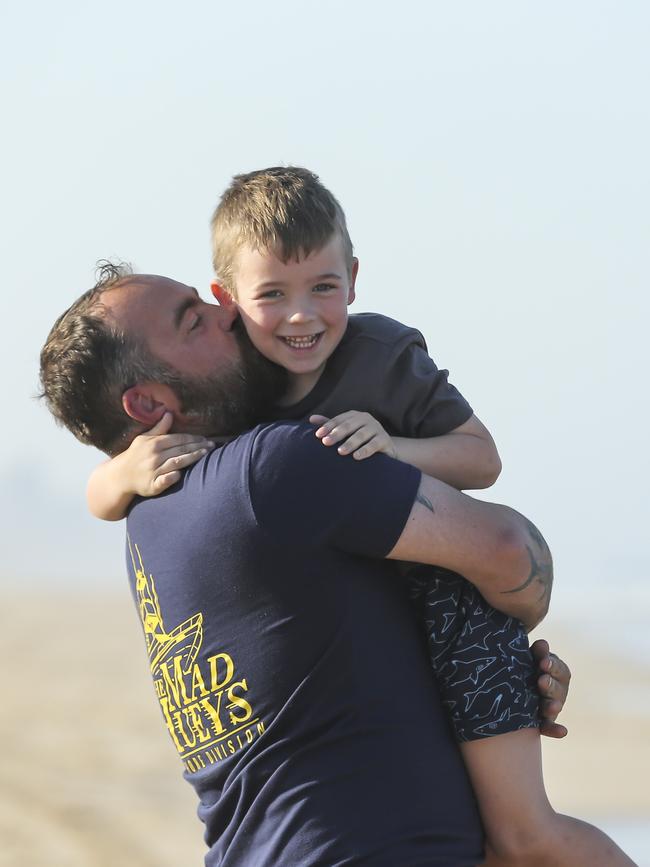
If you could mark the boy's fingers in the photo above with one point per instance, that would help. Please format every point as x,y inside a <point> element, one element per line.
<point>318,419</point>
<point>180,461</point>
<point>186,448</point>
<point>162,425</point>
<point>340,432</point>
<point>367,450</point>
<point>331,426</point>
<point>348,421</point>
<point>164,481</point>
<point>348,427</point>
<point>357,439</point>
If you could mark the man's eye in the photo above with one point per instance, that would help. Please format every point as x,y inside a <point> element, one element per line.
<point>197,321</point>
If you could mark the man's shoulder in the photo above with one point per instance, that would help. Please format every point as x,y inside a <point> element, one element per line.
<point>284,446</point>
<point>381,330</point>
<point>266,454</point>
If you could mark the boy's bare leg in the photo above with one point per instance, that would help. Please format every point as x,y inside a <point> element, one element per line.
<point>521,827</point>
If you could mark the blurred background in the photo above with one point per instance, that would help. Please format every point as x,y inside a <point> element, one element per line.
<point>492,160</point>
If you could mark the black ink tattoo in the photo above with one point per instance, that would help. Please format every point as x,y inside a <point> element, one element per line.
<point>425,502</point>
<point>541,565</point>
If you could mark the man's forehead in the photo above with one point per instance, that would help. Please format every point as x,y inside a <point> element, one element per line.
<point>138,291</point>
<point>152,283</point>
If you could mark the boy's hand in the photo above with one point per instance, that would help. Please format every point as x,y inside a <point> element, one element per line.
<point>359,433</point>
<point>157,457</point>
<point>553,686</point>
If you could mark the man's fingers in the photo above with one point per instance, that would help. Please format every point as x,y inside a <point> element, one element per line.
<point>559,670</point>
<point>548,687</point>
<point>552,729</point>
<point>553,687</point>
<point>550,663</point>
<point>553,690</point>
<point>540,650</point>
<point>550,708</point>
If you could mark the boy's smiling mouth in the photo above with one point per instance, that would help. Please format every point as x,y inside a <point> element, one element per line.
<point>307,341</point>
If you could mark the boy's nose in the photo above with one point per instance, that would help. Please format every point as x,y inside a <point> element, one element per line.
<point>301,313</point>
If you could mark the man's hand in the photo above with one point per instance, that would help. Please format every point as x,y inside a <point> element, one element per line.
<point>553,686</point>
<point>359,433</point>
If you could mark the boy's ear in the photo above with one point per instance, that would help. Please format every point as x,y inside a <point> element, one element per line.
<point>353,279</point>
<point>223,296</point>
<point>149,402</point>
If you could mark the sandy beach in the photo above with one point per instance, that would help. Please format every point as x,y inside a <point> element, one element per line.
<point>88,777</point>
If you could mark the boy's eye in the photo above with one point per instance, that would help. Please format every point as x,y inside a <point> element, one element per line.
<point>270,293</point>
<point>324,287</point>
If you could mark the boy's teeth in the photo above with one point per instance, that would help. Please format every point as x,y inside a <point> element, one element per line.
<point>301,342</point>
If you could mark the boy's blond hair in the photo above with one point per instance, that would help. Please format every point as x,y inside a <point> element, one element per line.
<point>283,209</point>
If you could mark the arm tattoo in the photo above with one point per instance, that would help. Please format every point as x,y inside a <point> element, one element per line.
<point>541,564</point>
<point>425,502</point>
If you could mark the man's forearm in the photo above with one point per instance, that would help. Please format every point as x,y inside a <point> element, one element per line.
<point>539,580</point>
<point>498,550</point>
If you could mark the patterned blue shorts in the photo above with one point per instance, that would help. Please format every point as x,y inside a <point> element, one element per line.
<point>481,658</point>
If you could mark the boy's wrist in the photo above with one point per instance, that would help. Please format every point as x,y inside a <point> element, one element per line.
<point>123,478</point>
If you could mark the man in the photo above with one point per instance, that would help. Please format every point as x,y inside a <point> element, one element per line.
<point>289,669</point>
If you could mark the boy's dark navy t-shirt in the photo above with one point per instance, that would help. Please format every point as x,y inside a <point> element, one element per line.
<point>289,669</point>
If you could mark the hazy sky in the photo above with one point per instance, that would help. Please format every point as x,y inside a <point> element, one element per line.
<point>492,159</point>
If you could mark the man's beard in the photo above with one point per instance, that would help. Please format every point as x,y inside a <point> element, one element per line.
<point>231,400</point>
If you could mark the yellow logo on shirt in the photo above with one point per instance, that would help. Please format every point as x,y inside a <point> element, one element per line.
<point>204,703</point>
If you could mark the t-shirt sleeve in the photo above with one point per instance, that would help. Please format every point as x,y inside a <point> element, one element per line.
<point>306,494</point>
<point>420,400</point>
<point>383,367</point>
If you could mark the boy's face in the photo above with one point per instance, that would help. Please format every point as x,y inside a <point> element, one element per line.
<point>295,312</point>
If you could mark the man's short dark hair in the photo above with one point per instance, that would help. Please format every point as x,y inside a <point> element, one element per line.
<point>87,364</point>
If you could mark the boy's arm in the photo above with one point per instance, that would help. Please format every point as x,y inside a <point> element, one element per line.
<point>149,466</point>
<point>495,548</point>
<point>465,458</point>
<point>109,492</point>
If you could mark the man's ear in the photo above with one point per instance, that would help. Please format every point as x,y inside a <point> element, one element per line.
<point>223,296</point>
<point>149,402</point>
<point>353,279</point>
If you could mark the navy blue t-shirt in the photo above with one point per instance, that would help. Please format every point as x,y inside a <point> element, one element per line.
<point>290,671</point>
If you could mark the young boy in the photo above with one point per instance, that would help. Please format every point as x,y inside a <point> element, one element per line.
<point>283,256</point>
